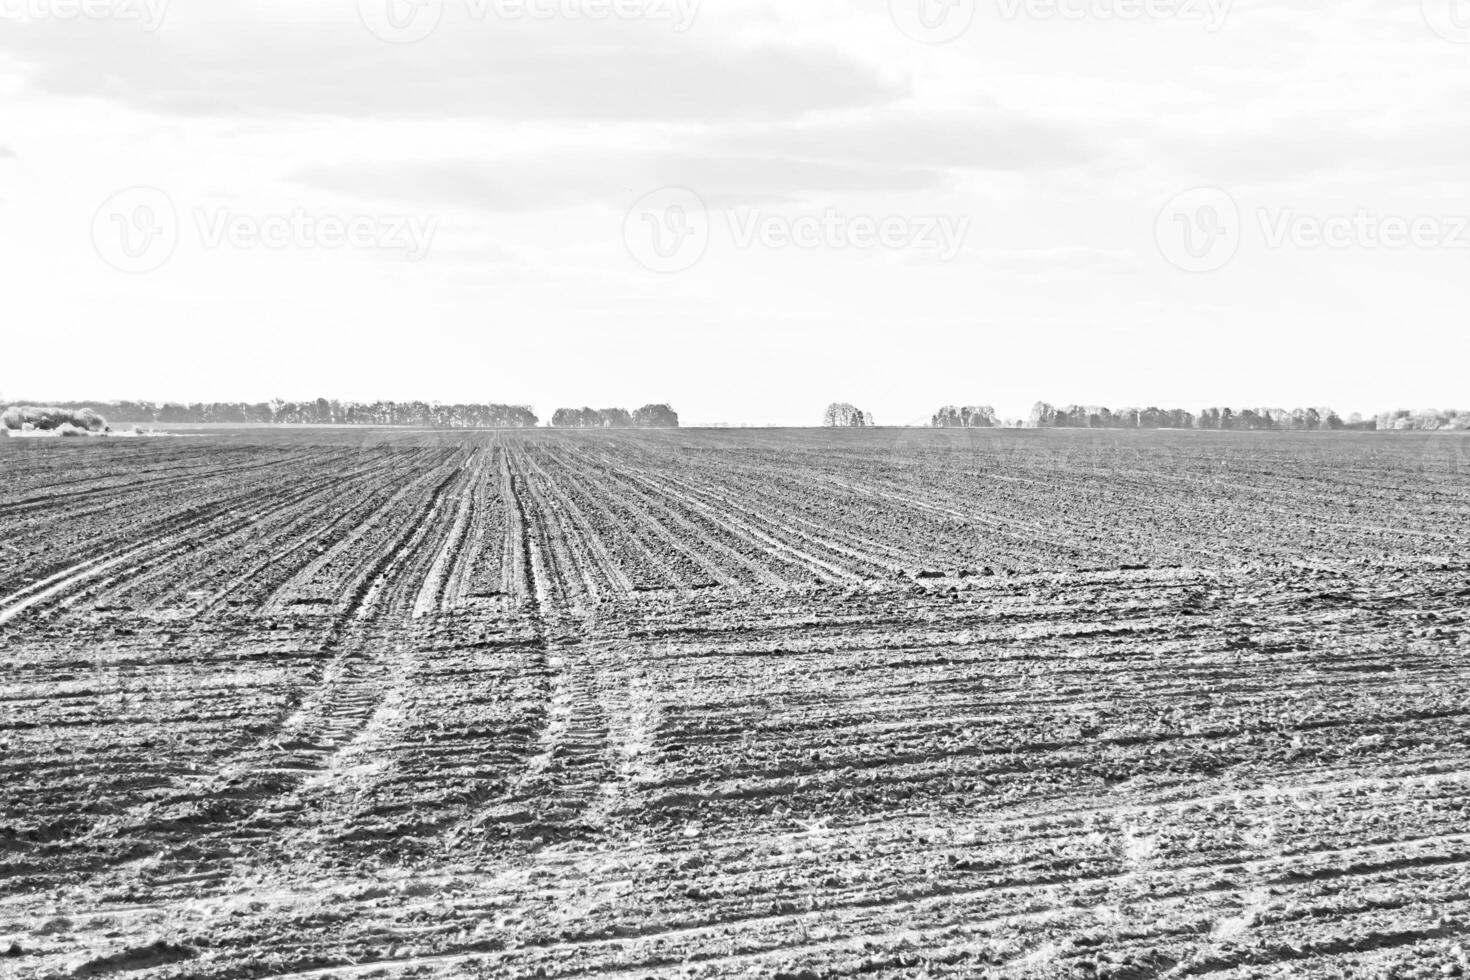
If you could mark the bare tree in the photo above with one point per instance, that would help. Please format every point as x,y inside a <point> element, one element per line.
<point>845,415</point>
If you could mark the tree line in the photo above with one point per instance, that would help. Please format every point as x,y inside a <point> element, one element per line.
<point>647,417</point>
<point>324,411</point>
<point>318,412</point>
<point>968,417</point>
<point>1045,415</point>
<point>1313,419</point>
<point>1427,420</point>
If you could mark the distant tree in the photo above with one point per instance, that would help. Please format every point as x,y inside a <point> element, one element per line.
<point>52,417</point>
<point>969,417</point>
<point>616,418</point>
<point>173,412</point>
<point>656,417</point>
<point>576,418</point>
<point>1043,415</point>
<point>1431,419</point>
<point>516,417</point>
<point>979,417</point>
<point>845,415</point>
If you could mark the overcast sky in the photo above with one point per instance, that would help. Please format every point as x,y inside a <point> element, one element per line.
<point>746,209</point>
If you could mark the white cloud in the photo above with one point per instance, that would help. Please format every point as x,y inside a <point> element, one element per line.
<point>271,59</point>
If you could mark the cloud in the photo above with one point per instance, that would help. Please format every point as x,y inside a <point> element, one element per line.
<point>739,165</point>
<point>289,60</point>
<point>1302,147</point>
<point>981,140</point>
<point>1050,259</point>
<point>552,181</point>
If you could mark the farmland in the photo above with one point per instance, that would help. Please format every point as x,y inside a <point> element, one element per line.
<point>887,703</point>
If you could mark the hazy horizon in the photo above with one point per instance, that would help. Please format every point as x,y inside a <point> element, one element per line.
<point>544,412</point>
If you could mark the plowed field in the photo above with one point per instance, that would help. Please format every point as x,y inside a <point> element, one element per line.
<point>724,703</point>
